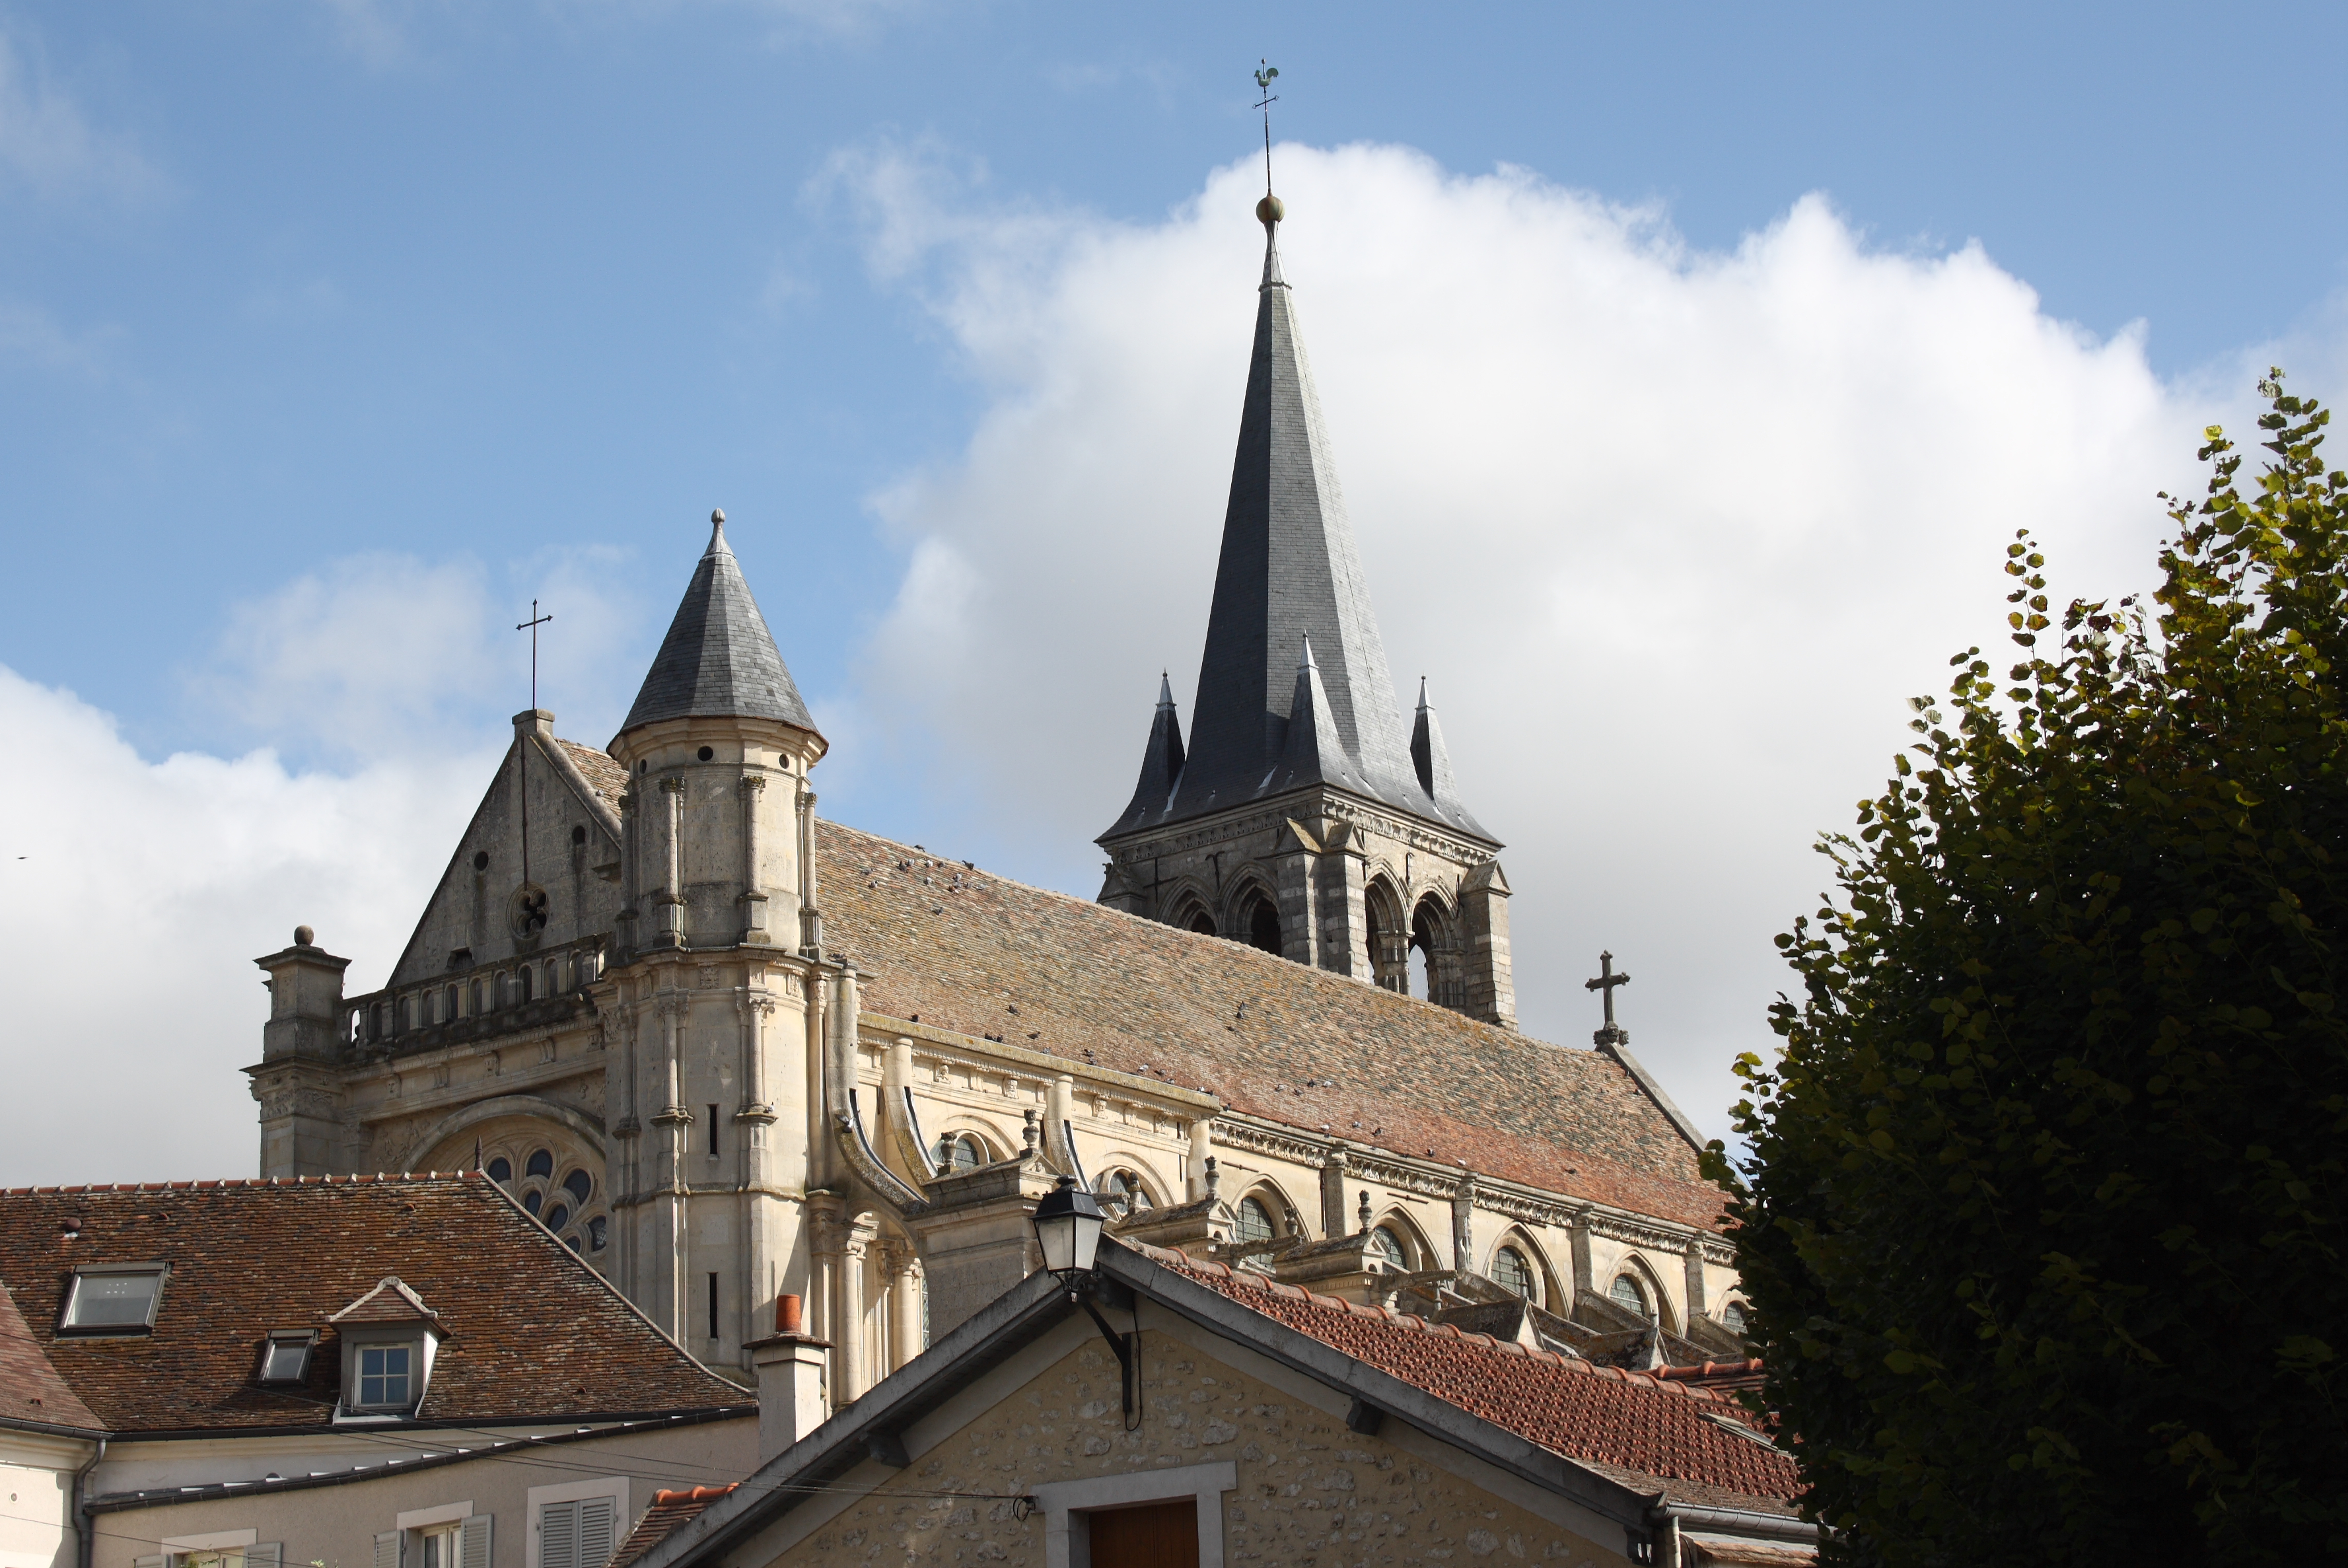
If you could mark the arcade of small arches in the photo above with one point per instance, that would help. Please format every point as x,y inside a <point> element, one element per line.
<point>1423,953</point>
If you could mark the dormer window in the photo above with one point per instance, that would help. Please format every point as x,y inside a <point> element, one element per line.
<point>388,1336</point>
<point>113,1298</point>
<point>285,1358</point>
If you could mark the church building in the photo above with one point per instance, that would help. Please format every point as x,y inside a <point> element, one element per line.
<point>728,1051</point>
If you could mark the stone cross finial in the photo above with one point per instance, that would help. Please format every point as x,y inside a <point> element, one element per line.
<point>1607,980</point>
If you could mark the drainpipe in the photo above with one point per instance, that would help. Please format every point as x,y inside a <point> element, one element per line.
<point>85,1528</point>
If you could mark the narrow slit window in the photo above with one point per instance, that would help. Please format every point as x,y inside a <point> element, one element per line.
<point>712,1306</point>
<point>713,1132</point>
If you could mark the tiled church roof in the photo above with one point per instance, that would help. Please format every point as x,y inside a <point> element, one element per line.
<point>1626,1425</point>
<point>1269,1038</point>
<point>533,1333</point>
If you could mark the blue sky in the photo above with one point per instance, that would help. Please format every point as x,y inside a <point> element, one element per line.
<point>332,331</point>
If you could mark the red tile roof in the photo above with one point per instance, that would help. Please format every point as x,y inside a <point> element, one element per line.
<point>30,1388</point>
<point>669,1510</point>
<point>1720,1377</point>
<point>1686,1442</point>
<point>960,948</point>
<point>532,1332</point>
<point>603,771</point>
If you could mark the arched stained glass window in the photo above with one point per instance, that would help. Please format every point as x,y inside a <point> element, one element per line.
<point>1512,1273</point>
<point>1253,1224</point>
<point>540,1163</point>
<point>531,1200</point>
<point>1732,1317</point>
<point>1389,1247</point>
<point>501,1169</point>
<point>578,1185</point>
<point>558,1216</point>
<point>1629,1294</point>
<point>959,1152</point>
<point>596,1230</point>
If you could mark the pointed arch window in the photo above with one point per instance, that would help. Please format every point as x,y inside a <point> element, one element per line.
<point>1252,1223</point>
<point>1388,1246</point>
<point>1512,1273</point>
<point>1264,925</point>
<point>1629,1294</point>
<point>958,1152</point>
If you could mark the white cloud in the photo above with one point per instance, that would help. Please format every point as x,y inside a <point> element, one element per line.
<point>134,896</point>
<point>1673,533</point>
<point>48,145</point>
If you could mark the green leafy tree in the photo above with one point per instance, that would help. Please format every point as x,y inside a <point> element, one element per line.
<point>2042,1217</point>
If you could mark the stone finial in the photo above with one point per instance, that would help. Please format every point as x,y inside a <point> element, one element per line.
<point>305,937</point>
<point>1213,1176</point>
<point>1366,1210</point>
<point>1032,1133</point>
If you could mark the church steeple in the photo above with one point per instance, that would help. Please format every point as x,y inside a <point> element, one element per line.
<point>718,659</point>
<point>1304,818</point>
<point>1289,572</point>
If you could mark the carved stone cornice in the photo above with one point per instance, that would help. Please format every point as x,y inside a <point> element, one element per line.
<point>1259,1138</point>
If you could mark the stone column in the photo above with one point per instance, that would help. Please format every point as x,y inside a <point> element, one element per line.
<point>1332,1198</point>
<point>631,880</point>
<point>754,891</point>
<point>674,1121</point>
<point>1578,1240</point>
<point>1693,1264</point>
<point>851,1350</point>
<point>822,1159</point>
<point>810,920</point>
<point>669,904</point>
<point>902,1266</point>
<point>1202,1143</point>
<point>1463,1225</point>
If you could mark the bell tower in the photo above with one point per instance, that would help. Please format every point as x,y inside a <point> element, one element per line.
<point>1301,817</point>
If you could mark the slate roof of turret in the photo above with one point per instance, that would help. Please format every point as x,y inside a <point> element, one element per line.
<point>1289,568</point>
<point>718,660</point>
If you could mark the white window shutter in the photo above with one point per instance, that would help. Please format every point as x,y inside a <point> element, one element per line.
<point>595,1543</point>
<point>558,1536</point>
<point>475,1552</point>
<point>271,1554</point>
<point>387,1550</point>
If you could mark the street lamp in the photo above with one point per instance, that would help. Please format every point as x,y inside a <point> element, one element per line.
<point>1067,1227</point>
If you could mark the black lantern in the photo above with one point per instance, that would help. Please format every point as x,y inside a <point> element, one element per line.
<point>1067,1227</point>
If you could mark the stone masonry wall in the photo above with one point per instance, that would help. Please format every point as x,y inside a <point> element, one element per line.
<point>1311,1493</point>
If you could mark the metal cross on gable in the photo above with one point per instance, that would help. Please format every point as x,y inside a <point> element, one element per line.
<point>531,626</point>
<point>1607,980</point>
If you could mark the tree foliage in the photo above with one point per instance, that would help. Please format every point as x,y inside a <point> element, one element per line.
<point>2042,1220</point>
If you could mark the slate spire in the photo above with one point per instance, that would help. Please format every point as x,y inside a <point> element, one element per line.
<point>1161,759</point>
<point>1426,754</point>
<point>718,659</point>
<point>1289,571</point>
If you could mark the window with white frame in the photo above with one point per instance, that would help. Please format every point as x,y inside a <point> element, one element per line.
<point>221,1549</point>
<point>113,1298</point>
<point>387,1373</point>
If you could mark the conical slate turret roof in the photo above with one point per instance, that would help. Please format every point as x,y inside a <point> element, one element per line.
<point>718,659</point>
<point>1290,572</point>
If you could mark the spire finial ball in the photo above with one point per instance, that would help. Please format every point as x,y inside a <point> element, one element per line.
<point>305,937</point>
<point>718,516</point>
<point>1271,209</point>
